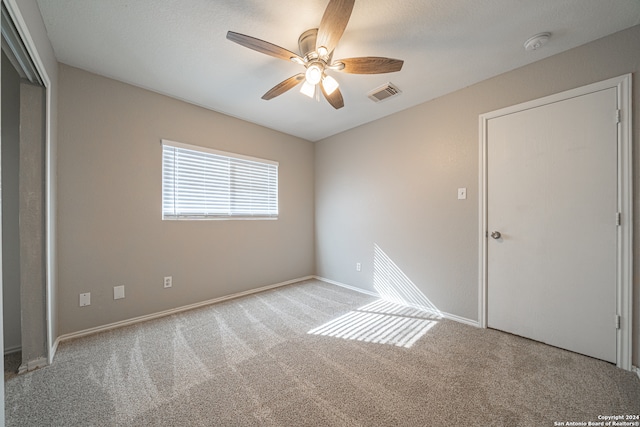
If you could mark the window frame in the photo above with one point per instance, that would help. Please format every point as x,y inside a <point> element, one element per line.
<point>231,157</point>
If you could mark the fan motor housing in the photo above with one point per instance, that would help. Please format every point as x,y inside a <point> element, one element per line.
<point>307,42</point>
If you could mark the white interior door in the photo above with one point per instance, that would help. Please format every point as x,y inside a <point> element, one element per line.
<point>552,195</point>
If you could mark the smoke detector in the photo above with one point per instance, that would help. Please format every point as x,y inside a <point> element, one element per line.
<point>537,41</point>
<point>384,92</point>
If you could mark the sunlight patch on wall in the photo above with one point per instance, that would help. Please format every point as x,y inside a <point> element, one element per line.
<point>393,285</point>
<point>381,322</point>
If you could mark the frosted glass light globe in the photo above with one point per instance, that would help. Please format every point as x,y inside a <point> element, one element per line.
<point>313,74</point>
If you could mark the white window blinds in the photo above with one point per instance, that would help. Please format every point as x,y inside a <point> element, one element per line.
<point>200,183</point>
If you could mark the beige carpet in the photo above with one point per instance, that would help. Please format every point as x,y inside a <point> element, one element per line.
<point>315,354</point>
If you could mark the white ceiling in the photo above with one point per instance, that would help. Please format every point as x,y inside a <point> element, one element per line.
<point>179,48</point>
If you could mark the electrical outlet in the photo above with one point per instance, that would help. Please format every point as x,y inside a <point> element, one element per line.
<point>358,266</point>
<point>85,299</point>
<point>168,281</point>
<point>118,292</point>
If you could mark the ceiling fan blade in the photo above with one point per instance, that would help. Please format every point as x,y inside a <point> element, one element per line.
<point>370,65</point>
<point>335,99</point>
<point>261,46</point>
<point>334,21</point>
<point>283,86</point>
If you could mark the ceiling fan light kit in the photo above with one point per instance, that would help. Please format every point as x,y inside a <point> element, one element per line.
<point>308,89</point>
<point>314,73</point>
<point>330,84</point>
<point>316,55</point>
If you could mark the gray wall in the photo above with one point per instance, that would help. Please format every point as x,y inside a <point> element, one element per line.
<point>392,183</point>
<point>109,206</point>
<point>10,203</point>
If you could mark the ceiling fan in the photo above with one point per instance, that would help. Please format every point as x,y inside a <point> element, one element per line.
<point>316,55</point>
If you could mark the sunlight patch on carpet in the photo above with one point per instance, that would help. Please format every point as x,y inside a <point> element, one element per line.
<point>381,322</point>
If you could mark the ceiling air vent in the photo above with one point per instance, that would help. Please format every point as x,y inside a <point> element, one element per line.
<point>384,92</point>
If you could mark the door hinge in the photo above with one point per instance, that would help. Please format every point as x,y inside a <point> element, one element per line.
<point>618,219</point>
<point>618,114</point>
<point>617,322</point>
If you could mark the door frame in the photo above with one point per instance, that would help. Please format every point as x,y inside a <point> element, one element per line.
<point>49,173</point>
<point>624,255</point>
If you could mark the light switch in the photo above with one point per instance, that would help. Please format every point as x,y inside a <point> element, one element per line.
<point>462,193</point>
<point>85,299</point>
<point>118,292</point>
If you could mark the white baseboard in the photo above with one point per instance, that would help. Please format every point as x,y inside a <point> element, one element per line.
<point>342,285</point>
<point>636,370</point>
<point>140,319</point>
<point>13,349</point>
<point>461,319</point>
<point>445,315</point>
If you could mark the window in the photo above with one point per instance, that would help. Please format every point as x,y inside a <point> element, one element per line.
<point>200,183</point>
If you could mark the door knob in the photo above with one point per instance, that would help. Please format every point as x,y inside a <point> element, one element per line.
<point>496,234</point>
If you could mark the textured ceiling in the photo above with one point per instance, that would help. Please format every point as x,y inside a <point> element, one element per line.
<point>179,48</point>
